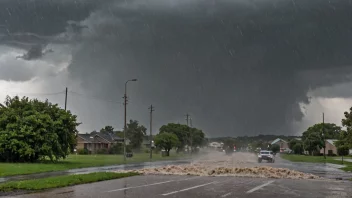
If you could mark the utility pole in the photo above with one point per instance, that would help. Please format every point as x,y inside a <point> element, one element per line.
<point>125,119</point>
<point>65,98</point>
<point>65,110</point>
<point>125,126</point>
<point>151,108</point>
<point>190,136</point>
<point>187,118</point>
<point>324,136</point>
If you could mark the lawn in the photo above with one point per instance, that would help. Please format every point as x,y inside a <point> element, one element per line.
<point>61,181</point>
<point>78,161</point>
<point>319,159</point>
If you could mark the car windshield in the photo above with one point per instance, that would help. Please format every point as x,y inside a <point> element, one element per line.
<point>264,152</point>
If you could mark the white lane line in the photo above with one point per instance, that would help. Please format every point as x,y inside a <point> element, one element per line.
<point>153,184</point>
<point>225,195</point>
<point>177,191</point>
<point>261,186</point>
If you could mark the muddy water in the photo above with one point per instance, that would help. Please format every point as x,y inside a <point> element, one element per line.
<point>218,164</point>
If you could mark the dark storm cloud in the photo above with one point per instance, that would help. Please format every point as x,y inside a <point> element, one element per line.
<point>239,67</point>
<point>31,25</point>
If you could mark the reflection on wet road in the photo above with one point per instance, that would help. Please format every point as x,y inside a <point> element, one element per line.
<point>197,186</point>
<point>325,170</point>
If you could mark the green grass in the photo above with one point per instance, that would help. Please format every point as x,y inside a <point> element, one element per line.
<point>77,161</point>
<point>319,159</point>
<point>61,181</point>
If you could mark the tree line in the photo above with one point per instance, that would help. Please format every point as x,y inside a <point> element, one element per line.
<point>313,139</point>
<point>33,130</point>
<point>170,136</point>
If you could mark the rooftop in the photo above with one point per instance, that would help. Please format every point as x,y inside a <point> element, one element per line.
<point>278,140</point>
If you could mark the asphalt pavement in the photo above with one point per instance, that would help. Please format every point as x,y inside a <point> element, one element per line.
<point>326,170</point>
<point>152,186</point>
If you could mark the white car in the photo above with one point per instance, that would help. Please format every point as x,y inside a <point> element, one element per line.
<point>266,155</point>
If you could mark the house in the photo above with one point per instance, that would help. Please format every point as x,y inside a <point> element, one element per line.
<point>96,141</point>
<point>282,143</point>
<point>146,141</point>
<point>330,148</point>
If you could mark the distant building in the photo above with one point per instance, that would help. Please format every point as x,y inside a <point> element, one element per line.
<point>96,140</point>
<point>330,148</point>
<point>146,141</point>
<point>282,143</point>
<point>216,145</point>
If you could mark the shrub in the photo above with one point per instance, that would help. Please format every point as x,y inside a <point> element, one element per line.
<point>343,150</point>
<point>297,148</point>
<point>83,151</point>
<point>116,149</point>
<point>102,151</point>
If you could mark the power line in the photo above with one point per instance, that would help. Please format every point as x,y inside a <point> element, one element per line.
<point>36,94</point>
<point>94,97</point>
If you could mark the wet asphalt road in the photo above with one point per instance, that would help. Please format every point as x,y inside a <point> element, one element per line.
<point>196,186</point>
<point>327,170</point>
<point>330,171</point>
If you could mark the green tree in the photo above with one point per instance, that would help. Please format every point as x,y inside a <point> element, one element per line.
<point>298,148</point>
<point>196,138</point>
<point>187,136</point>
<point>180,130</point>
<point>329,130</point>
<point>313,138</point>
<point>342,150</point>
<point>275,148</point>
<point>135,133</point>
<point>346,136</point>
<point>166,141</point>
<point>312,141</point>
<point>107,129</point>
<point>293,142</point>
<point>32,130</point>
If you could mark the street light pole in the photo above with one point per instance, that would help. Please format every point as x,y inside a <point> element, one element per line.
<point>125,120</point>
<point>324,136</point>
<point>151,131</point>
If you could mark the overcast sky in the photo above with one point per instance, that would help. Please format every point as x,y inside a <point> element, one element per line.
<point>238,67</point>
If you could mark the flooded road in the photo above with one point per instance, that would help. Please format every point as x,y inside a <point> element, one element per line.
<point>217,159</point>
<point>326,170</point>
<point>245,164</point>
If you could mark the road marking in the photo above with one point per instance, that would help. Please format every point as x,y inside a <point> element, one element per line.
<point>225,195</point>
<point>153,184</point>
<point>177,191</point>
<point>261,186</point>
